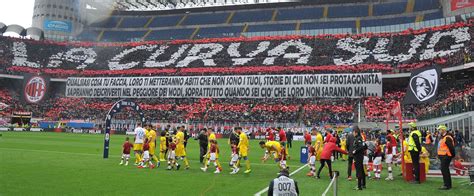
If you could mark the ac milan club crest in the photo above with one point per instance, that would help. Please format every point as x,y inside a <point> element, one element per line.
<point>35,89</point>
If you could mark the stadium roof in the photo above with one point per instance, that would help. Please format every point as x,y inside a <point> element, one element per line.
<point>154,5</point>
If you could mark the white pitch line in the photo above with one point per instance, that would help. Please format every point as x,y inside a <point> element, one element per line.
<point>98,155</point>
<point>294,172</point>
<point>60,152</point>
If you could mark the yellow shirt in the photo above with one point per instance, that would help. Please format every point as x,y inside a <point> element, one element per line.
<point>180,138</point>
<point>147,132</point>
<point>212,136</point>
<point>273,146</point>
<point>152,136</point>
<point>318,145</point>
<point>343,144</point>
<point>425,160</point>
<point>163,143</point>
<point>407,155</point>
<point>243,141</point>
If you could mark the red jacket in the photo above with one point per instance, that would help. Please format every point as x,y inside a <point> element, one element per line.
<point>282,135</point>
<point>307,138</point>
<point>329,148</point>
<point>271,136</point>
<point>328,138</point>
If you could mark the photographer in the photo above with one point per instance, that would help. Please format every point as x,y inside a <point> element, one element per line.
<point>283,185</point>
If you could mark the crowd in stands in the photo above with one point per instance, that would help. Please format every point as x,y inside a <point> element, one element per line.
<point>322,60</point>
<point>457,98</point>
<point>177,110</point>
<point>329,111</point>
<point>376,108</point>
<point>451,100</point>
<point>381,52</point>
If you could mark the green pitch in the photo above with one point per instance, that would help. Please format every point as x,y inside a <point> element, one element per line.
<point>72,164</point>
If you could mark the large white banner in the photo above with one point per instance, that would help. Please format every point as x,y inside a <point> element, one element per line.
<point>245,86</point>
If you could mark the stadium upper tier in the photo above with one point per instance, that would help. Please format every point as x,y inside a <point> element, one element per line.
<point>448,46</point>
<point>307,19</point>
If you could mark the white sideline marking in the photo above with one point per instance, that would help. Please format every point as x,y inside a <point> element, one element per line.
<point>294,172</point>
<point>97,155</point>
<point>60,152</point>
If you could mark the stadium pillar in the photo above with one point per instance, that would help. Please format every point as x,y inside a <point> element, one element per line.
<point>116,108</point>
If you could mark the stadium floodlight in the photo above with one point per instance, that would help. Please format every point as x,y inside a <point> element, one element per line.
<point>15,31</point>
<point>34,33</point>
<point>3,27</point>
<point>18,31</point>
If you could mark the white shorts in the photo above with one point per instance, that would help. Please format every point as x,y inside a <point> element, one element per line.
<point>171,155</point>
<point>388,158</point>
<point>394,150</point>
<point>312,160</point>
<point>366,160</point>
<point>283,163</point>
<point>126,156</point>
<point>212,157</point>
<point>146,155</point>
<point>235,158</point>
<point>377,160</point>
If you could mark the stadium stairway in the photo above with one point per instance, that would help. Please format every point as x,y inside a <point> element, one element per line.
<point>410,6</point>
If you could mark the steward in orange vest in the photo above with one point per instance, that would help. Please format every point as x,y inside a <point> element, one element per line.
<point>428,138</point>
<point>445,153</point>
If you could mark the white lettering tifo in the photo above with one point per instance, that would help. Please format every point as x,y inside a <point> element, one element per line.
<point>275,52</point>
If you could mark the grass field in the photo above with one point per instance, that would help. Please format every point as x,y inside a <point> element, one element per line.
<point>72,164</point>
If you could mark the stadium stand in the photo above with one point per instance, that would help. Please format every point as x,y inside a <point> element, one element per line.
<point>381,9</point>
<point>134,22</point>
<point>421,5</point>
<point>455,99</point>
<point>122,36</point>
<point>327,54</point>
<point>207,18</point>
<point>170,33</point>
<point>229,25</point>
<point>271,27</point>
<point>165,21</point>
<point>348,11</point>
<point>300,13</point>
<point>269,19</point>
<point>110,22</point>
<point>252,16</point>
<point>385,22</point>
<point>218,32</point>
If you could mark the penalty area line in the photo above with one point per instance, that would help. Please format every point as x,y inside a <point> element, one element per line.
<point>294,172</point>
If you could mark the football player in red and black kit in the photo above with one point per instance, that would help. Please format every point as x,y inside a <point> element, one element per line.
<point>311,159</point>
<point>126,147</point>
<point>146,159</point>
<point>283,140</point>
<point>391,151</point>
<point>172,156</point>
<point>377,163</point>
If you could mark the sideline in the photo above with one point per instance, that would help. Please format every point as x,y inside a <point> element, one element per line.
<point>98,155</point>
